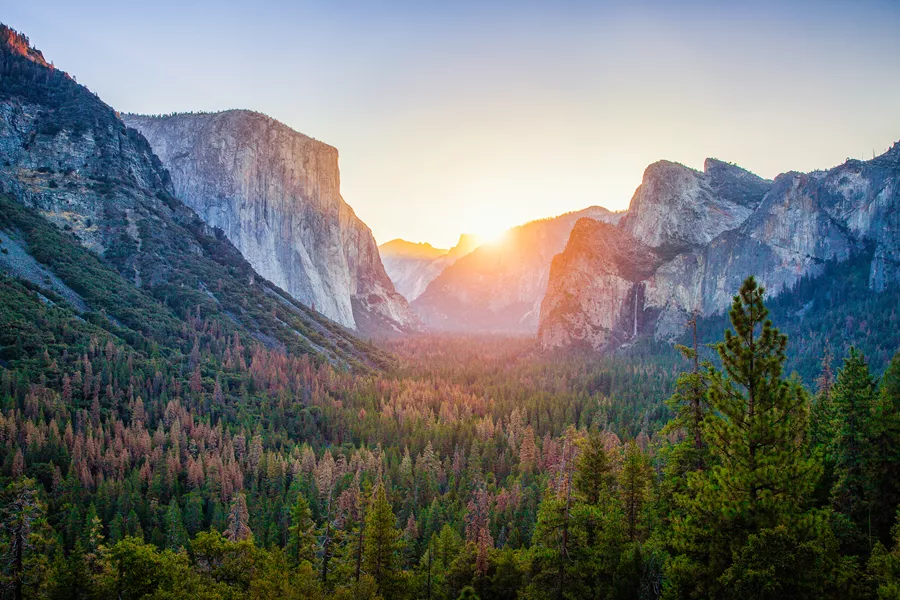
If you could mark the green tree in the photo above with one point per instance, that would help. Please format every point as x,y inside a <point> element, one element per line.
<point>176,534</point>
<point>758,420</point>
<point>22,528</point>
<point>853,446</point>
<point>634,487</point>
<point>593,475</point>
<point>887,451</point>
<point>756,431</point>
<point>302,537</point>
<point>884,567</point>
<point>382,544</point>
<point>688,402</point>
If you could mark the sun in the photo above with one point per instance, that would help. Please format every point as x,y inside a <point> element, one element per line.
<point>491,236</point>
<point>489,231</point>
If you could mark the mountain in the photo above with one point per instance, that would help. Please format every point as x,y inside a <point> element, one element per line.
<point>413,266</point>
<point>90,212</point>
<point>276,195</point>
<point>675,207</point>
<point>500,285</point>
<point>694,236</point>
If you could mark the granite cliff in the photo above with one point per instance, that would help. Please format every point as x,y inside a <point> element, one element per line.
<point>694,236</point>
<point>74,176</point>
<point>276,195</point>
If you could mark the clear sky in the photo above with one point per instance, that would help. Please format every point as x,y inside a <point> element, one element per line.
<point>467,116</point>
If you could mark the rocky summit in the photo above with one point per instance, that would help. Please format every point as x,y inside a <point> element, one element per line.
<point>412,266</point>
<point>689,239</point>
<point>275,193</point>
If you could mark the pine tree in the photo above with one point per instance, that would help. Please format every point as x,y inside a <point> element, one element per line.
<point>301,533</point>
<point>822,423</point>
<point>238,520</point>
<point>382,544</point>
<point>176,534</point>
<point>756,434</point>
<point>688,402</point>
<point>854,429</point>
<point>22,519</point>
<point>887,451</point>
<point>527,451</point>
<point>756,427</point>
<point>634,487</point>
<point>593,476</point>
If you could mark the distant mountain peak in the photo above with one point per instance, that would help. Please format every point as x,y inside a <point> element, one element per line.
<point>465,245</point>
<point>401,248</point>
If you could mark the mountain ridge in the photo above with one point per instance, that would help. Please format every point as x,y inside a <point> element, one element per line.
<point>715,228</point>
<point>75,167</point>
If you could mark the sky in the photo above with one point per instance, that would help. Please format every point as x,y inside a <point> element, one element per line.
<point>464,116</point>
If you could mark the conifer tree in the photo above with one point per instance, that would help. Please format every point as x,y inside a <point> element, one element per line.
<point>634,484</point>
<point>854,435</point>
<point>176,534</point>
<point>822,423</point>
<point>757,424</point>
<point>302,538</point>
<point>756,433</point>
<point>887,449</point>
<point>688,402</point>
<point>593,476</point>
<point>22,520</point>
<point>382,544</point>
<point>238,520</point>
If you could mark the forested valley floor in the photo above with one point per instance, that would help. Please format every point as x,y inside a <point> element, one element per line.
<point>210,466</point>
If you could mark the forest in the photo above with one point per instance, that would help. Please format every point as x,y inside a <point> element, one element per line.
<point>472,467</point>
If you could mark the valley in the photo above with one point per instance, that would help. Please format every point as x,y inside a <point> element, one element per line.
<point>214,383</point>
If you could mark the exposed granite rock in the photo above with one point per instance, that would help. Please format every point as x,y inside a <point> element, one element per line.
<point>595,296</point>
<point>499,286</point>
<point>712,230</point>
<point>675,207</point>
<point>276,195</point>
<point>413,266</point>
<point>66,154</point>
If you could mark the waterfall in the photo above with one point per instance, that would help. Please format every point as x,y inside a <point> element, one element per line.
<point>634,335</point>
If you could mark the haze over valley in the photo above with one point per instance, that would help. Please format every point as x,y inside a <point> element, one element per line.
<point>484,300</point>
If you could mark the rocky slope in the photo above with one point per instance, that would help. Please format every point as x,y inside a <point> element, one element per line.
<point>500,285</point>
<point>413,266</point>
<point>69,160</point>
<point>276,195</point>
<point>710,230</point>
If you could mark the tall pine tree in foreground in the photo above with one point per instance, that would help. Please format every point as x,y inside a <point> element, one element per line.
<point>756,488</point>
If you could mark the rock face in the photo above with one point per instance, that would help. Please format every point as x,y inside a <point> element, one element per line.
<point>696,236</point>
<point>596,286</point>
<point>69,157</point>
<point>499,286</point>
<point>276,195</point>
<point>413,266</point>
<point>676,207</point>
